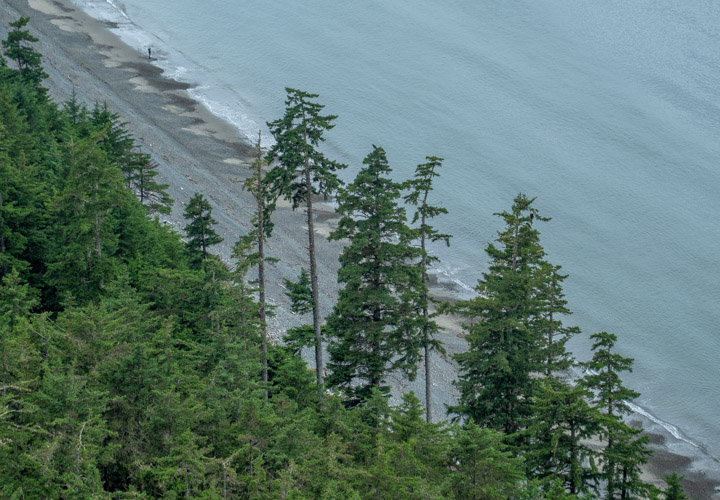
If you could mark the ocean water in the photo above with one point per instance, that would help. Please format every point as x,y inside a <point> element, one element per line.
<point>607,112</point>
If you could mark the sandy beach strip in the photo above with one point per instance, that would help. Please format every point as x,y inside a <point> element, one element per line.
<point>199,152</point>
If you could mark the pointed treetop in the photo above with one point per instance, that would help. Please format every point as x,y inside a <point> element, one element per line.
<point>420,187</point>
<point>297,135</point>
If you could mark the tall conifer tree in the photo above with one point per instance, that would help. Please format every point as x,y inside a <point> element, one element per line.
<point>625,450</point>
<point>140,174</point>
<point>93,191</point>
<point>263,228</point>
<point>674,490</point>
<point>554,356</point>
<point>555,438</point>
<point>495,379</point>
<point>302,172</point>
<point>376,326</point>
<point>420,187</point>
<point>17,48</point>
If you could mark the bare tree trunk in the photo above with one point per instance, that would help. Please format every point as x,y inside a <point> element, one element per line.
<point>428,382</point>
<point>428,386</point>
<point>313,270</point>
<point>261,265</point>
<point>2,238</point>
<point>98,225</point>
<point>314,284</point>
<point>224,465</point>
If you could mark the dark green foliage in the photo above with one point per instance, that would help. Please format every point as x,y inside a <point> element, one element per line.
<point>300,294</point>
<point>27,59</point>
<point>377,325</point>
<point>303,171</point>
<point>16,207</point>
<point>76,112</point>
<point>514,327</point>
<point>298,134</point>
<point>23,195</point>
<point>128,370</point>
<point>625,450</point>
<point>263,229</point>
<point>482,468</point>
<point>199,229</point>
<point>495,381</point>
<point>257,184</point>
<point>86,205</point>
<point>556,437</point>
<point>674,490</point>
<point>555,335</point>
<point>604,376</point>
<point>139,171</point>
<point>116,140</point>
<point>420,187</point>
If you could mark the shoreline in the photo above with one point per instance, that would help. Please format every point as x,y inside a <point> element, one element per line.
<point>198,151</point>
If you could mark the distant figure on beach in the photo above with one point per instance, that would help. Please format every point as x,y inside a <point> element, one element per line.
<point>149,54</point>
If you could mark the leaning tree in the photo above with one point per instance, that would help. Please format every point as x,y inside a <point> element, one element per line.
<point>300,172</point>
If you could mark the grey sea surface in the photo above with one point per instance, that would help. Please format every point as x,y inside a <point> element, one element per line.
<point>607,112</point>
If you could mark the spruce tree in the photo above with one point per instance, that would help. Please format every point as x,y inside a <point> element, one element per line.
<point>377,324</point>
<point>481,467</point>
<point>17,48</point>
<point>263,229</point>
<point>14,208</point>
<point>554,355</point>
<point>625,450</point>
<point>117,141</point>
<point>495,379</point>
<point>555,438</point>
<point>199,230</point>
<point>75,111</point>
<point>17,299</point>
<point>140,173</point>
<point>24,197</point>
<point>420,187</point>
<point>302,172</point>
<point>83,261</point>
<point>674,490</point>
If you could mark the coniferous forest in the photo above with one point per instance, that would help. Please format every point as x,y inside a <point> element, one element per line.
<point>134,363</point>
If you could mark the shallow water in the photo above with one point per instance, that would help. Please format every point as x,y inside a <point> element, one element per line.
<point>608,112</point>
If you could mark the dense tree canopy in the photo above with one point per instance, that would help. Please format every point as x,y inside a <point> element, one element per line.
<point>133,365</point>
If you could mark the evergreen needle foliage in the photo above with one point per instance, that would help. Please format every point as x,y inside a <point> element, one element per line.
<point>302,172</point>
<point>420,187</point>
<point>199,230</point>
<point>135,366</point>
<point>495,382</point>
<point>377,325</point>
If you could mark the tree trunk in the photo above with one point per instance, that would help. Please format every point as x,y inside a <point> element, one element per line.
<point>98,225</point>
<point>428,382</point>
<point>314,281</point>
<point>261,268</point>
<point>573,459</point>
<point>2,237</point>
<point>313,266</point>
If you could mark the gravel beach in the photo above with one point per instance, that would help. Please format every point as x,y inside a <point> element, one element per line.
<point>198,152</point>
